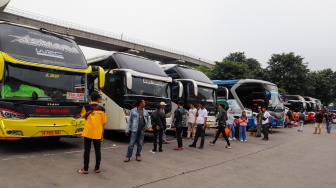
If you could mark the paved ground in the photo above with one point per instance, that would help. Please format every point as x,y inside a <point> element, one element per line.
<point>288,159</point>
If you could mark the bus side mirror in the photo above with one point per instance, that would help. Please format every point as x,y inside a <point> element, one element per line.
<point>101,78</point>
<point>180,89</point>
<point>2,67</point>
<point>128,80</point>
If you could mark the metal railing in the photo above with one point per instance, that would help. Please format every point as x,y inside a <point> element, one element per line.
<point>69,25</point>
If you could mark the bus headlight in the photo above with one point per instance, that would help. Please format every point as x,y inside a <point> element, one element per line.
<point>11,114</point>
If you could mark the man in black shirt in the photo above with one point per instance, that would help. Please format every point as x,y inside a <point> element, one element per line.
<point>318,121</point>
<point>157,120</point>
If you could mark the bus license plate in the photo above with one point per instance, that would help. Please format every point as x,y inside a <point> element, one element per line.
<point>51,133</point>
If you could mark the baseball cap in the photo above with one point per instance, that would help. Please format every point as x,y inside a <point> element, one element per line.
<point>163,103</point>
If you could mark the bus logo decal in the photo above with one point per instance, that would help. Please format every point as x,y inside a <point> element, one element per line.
<point>49,53</point>
<point>42,43</point>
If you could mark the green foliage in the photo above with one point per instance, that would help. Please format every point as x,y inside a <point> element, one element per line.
<point>287,70</point>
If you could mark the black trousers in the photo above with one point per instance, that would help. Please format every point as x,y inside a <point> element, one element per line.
<point>265,130</point>
<point>156,134</point>
<point>199,133</point>
<point>179,136</point>
<point>221,130</point>
<point>87,148</point>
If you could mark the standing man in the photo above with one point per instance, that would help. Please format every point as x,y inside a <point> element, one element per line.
<point>157,120</point>
<point>178,113</point>
<point>318,121</point>
<point>265,122</point>
<point>259,122</point>
<point>191,121</point>
<point>302,118</point>
<point>164,136</point>
<point>329,116</point>
<point>221,119</point>
<point>230,122</point>
<point>138,122</point>
<point>93,131</point>
<point>201,115</point>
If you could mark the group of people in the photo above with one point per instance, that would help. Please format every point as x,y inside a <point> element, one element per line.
<point>327,118</point>
<point>140,120</point>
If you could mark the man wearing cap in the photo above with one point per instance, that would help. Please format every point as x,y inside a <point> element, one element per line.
<point>164,136</point>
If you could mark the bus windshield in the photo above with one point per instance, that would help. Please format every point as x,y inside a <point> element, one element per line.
<point>49,85</point>
<point>149,87</point>
<point>206,94</point>
<point>275,96</point>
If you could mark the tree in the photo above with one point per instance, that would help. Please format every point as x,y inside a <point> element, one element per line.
<point>321,85</point>
<point>288,72</point>
<point>228,70</point>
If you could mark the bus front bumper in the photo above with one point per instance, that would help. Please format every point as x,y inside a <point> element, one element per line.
<point>14,129</point>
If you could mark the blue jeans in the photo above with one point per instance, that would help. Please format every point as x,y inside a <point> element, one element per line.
<point>242,132</point>
<point>232,130</point>
<point>329,126</point>
<point>137,137</point>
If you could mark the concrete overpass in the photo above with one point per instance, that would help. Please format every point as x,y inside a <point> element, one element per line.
<point>103,40</point>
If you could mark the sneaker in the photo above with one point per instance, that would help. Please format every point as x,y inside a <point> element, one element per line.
<point>192,146</point>
<point>211,143</point>
<point>245,140</point>
<point>241,140</point>
<point>228,147</point>
<point>230,138</point>
<point>234,138</point>
<point>153,150</point>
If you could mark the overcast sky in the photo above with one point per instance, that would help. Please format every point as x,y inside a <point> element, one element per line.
<point>210,28</point>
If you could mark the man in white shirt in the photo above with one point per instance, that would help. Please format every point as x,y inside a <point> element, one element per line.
<point>265,122</point>
<point>201,115</point>
<point>191,121</point>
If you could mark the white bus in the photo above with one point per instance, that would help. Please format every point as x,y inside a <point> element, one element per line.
<point>128,78</point>
<point>192,86</point>
<point>248,94</point>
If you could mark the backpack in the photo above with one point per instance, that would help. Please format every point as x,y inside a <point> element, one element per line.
<point>92,107</point>
<point>180,118</point>
<point>184,117</point>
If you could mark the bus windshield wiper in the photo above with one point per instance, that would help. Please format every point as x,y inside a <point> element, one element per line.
<point>58,35</point>
<point>34,98</point>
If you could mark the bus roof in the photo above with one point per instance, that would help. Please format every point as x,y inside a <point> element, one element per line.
<point>40,46</point>
<point>232,82</point>
<point>113,60</point>
<point>185,72</point>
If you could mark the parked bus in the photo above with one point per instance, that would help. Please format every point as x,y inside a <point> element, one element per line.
<point>248,94</point>
<point>300,98</point>
<point>129,78</point>
<point>44,82</point>
<point>318,103</point>
<point>194,86</point>
<point>311,111</point>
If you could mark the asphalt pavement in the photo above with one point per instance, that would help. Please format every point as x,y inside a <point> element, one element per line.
<point>289,159</point>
